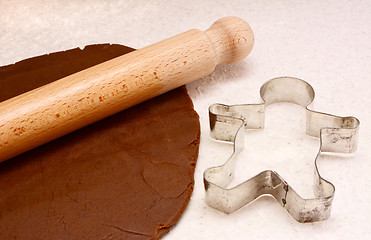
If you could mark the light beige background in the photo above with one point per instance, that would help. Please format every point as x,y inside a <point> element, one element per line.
<point>327,43</point>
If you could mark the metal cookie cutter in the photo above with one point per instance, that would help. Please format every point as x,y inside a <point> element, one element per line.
<point>227,123</point>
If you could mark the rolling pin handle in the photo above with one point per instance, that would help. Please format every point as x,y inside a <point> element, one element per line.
<point>232,39</point>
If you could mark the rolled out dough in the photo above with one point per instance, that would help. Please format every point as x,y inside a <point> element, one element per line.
<point>129,176</point>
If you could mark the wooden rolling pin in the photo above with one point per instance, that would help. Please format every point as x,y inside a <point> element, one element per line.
<point>51,111</point>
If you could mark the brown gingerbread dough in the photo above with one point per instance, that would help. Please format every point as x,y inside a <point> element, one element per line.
<point>129,176</point>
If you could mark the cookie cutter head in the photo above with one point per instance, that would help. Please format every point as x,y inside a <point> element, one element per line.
<point>227,123</point>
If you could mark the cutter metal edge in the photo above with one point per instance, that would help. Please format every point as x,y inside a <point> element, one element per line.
<point>227,123</point>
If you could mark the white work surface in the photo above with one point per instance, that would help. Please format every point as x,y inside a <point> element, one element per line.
<point>327,43</point>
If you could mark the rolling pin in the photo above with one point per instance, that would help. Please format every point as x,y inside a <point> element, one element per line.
<point>56,109</point>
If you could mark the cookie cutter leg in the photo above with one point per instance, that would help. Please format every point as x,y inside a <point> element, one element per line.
<point>227,123</point>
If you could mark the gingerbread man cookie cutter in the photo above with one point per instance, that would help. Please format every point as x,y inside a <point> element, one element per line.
<point>227,123</point>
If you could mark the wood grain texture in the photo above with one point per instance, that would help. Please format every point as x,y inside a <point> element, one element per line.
<point>46,113</point>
